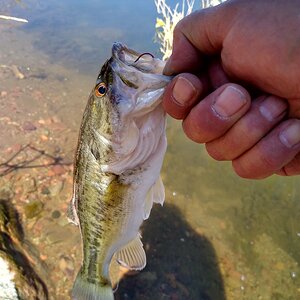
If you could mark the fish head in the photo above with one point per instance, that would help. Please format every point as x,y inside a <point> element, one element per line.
<point>131,82</point>
<point>125,105</point>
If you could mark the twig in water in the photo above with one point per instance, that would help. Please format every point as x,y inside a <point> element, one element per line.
<point>13,19</point>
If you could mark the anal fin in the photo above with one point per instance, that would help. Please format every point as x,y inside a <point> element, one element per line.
<point>132,256</point>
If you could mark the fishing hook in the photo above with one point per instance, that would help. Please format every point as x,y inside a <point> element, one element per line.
<point>145,53</point>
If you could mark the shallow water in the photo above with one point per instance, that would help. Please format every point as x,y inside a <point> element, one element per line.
<point>217,237</point>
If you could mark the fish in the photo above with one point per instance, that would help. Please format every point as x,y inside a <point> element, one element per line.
<point>121,147</point>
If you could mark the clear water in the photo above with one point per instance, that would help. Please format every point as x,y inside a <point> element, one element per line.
<point>217,237</point>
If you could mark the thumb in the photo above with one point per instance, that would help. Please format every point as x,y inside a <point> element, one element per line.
<point>200,33</point>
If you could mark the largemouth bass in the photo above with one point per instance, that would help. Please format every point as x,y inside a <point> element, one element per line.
<point>120,151</point>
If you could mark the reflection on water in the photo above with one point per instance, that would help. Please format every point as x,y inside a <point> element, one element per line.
<point>70,30</point>
<point>218,236</point>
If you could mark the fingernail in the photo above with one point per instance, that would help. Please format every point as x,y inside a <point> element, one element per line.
<point>271,108</point>
<point>229,102</point>
<point>290,136</point>
<point>183,91</point>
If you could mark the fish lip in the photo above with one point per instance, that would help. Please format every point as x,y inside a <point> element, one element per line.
<point>118,50</point>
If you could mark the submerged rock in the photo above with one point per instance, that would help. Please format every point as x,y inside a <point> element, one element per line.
<point>18,278</point>
<point>56,188</point>
<point>28,126</point>
<point>33,209</point>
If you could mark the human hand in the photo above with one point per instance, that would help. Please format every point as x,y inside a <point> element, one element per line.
<point>216,51</point>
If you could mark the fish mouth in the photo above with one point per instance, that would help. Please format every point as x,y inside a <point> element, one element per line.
<point>144,62</point>
<point>123,53</point>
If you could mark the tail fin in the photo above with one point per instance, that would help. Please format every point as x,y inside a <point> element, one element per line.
<point>84,290</point>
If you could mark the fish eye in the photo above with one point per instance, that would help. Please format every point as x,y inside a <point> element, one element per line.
<point>100,89</point>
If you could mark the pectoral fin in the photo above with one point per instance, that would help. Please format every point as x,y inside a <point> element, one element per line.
<point>71,212</point>
<point>156,194</point>
<point>159,192</point>
<point>132,256</point>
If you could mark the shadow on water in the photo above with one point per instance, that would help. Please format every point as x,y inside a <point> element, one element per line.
<point>181,263</point>
<point>18,253</point>
<point>29,160</point>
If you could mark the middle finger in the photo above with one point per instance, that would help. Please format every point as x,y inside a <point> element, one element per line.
<point>264,114</point>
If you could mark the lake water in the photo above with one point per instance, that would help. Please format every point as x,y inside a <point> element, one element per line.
<point>217,237</point>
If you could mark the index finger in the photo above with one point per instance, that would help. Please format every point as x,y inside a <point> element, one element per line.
<point>200,33</point>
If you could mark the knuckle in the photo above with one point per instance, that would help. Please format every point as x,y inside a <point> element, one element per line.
<point>178,114</point>
<point>248,173</point>
<point>241,171</point>
<point>214,151</point>
<point>192,133</point>
<point>292,168</point>
<point>178,28</point>
<point>268,161</point>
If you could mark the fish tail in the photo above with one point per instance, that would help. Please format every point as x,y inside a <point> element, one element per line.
<point>84,290</point>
